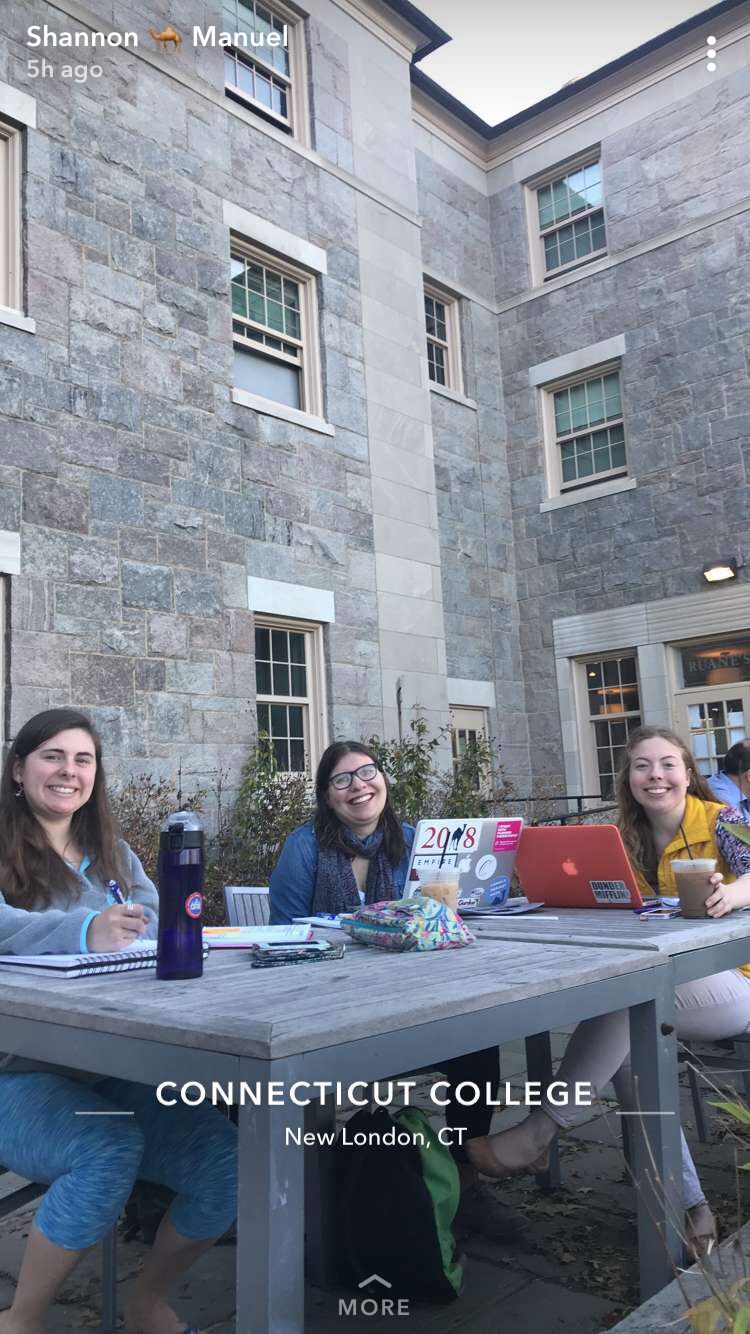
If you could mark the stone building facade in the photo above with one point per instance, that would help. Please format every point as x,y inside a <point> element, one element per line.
<point>235,489</point>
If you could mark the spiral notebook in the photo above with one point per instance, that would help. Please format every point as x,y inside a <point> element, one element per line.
<point>82,965</point>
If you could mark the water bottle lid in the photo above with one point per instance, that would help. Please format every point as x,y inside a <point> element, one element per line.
<point>185,821</point>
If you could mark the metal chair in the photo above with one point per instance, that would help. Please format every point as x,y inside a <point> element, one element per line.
<point>738,1061</point>
<point>247,906</point>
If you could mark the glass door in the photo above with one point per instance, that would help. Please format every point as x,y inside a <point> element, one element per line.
<point>711,720</point>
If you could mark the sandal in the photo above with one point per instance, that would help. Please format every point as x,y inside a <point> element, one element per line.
<point>700,1231</point>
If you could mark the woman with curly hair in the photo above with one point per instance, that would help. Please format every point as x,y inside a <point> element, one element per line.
<point>666,812</point>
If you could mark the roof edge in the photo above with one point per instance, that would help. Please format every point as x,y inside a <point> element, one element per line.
<point>488,132</point>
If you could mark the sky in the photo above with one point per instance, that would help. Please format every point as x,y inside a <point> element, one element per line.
<point>508,54</point>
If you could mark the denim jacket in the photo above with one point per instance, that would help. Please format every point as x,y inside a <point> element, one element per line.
<point>293,879</point>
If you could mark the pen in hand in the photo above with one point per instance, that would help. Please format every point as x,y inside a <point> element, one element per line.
<point>118,896</point>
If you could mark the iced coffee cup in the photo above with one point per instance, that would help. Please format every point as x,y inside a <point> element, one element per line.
<point>693,884</point>
<point>441,885</point>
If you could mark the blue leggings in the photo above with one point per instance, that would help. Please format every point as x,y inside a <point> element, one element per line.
<point>91,1162</point>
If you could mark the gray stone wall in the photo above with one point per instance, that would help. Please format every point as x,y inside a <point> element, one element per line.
<point>473,484</point>
<point>682,307</point>
<point>143,496</point>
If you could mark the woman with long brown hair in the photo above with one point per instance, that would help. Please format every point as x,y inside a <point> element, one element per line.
<point>666,812</point>
<point>89,1138</point>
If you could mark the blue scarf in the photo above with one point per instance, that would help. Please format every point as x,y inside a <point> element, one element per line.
<point>335,887</point>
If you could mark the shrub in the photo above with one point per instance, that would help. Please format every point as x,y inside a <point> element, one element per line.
<point>250,836</point>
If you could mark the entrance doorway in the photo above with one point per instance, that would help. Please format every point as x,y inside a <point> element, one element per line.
<point>711,720</point>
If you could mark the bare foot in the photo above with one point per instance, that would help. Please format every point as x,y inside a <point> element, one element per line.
<point>700,1227</point>
<point>11,1324</point>
<point>149,1315</point>
<point>524,1148</point>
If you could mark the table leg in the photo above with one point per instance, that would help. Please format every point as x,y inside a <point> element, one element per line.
<point>655,1141</point>
<point>270,1222</point>
<point>539,1069</point>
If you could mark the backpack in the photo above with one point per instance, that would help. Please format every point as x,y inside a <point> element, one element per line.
<point>395,1204</point>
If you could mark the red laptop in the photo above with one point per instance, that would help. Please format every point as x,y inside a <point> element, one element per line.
<point>576,866</point>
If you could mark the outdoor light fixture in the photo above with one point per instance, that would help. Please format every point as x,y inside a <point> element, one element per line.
<point>720,570</point>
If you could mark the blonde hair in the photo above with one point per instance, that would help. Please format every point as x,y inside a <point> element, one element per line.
<point>632,819</point>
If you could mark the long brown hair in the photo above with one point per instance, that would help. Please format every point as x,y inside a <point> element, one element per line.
<point>30,870</point>
<point>329,829</point>
<point>635,827</point>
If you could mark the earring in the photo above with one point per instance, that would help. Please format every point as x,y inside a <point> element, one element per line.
<point>19,791</point>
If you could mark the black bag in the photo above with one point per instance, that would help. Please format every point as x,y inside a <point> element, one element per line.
<point>396,1198</point>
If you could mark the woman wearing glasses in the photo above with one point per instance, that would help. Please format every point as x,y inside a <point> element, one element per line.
<point>355,850</point>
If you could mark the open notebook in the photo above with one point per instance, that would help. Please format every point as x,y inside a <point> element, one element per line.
<point>82,965</point>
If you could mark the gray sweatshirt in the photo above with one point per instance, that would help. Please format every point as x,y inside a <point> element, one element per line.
<point>61,929</point>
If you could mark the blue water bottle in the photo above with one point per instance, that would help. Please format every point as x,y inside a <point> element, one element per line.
<point>179,952</point>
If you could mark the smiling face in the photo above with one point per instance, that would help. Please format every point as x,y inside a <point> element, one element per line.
<point>659,777</point>
<point>360,805</point>
<point>58,777</point>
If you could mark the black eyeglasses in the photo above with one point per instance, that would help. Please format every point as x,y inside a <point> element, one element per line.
<point>365,773</point>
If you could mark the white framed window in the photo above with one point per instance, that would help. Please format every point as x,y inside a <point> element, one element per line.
<point>613,708</point>
<point>268,78</point>
<point>566,216</point>
<point>274,327</point>
<point>584,430</point>
<point>289,672</point>
<point>468,727</point>
<point>441,313</point>
<point>11,294</point>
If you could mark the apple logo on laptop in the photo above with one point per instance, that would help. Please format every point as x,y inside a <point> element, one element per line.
<point>569,866</point>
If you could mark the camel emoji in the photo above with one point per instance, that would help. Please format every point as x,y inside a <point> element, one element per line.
<point>167,35</point>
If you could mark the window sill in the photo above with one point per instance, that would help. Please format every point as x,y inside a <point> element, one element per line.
<point>17,320</point>
<point>588,493</point>
<point>453,395</point>
<point>281,410</point>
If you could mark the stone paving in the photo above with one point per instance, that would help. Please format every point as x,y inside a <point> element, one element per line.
<point>575,1269</point>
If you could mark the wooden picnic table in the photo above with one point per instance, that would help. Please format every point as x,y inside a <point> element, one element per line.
<point>695,947</point>
<point>369,1015</point>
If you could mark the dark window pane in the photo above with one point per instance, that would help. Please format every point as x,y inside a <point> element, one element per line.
<point>280,678</point>
<point>279,645</point>
<point>601,732</point>
<point>618,734</point>
<point>262,678</point>
<point>278,720</point>
<point>262,643</point>
<point>611,676</point>
<point>299,681</point>
<point>296,721</point>
<point>263,721</point>
<point>594,673</point>
<point>296,647</point>
<point>297,756</point>
<point>281,752</point>
<point>627,670</point>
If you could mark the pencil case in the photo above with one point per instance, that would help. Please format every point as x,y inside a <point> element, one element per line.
<point>417,923</point>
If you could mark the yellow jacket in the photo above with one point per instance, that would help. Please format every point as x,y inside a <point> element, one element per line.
<point>699,823</point>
